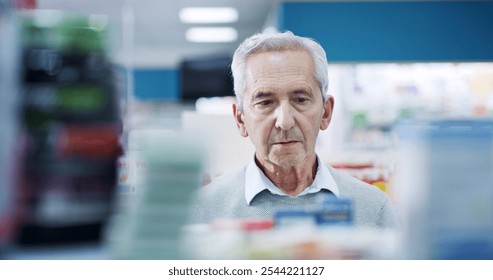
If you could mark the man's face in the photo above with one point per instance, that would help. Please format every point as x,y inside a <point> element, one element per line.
<point>283,109</point>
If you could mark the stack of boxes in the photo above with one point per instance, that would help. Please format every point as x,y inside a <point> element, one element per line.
<point>150,221</point>
<point>70,128</point>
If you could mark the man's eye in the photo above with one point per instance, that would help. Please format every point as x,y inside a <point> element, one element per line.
<point>264,102</point>
<point>300,100</point>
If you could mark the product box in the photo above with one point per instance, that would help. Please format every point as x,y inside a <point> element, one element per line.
<point>444,189</point>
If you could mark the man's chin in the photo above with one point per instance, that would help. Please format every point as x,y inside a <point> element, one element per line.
<point>288,160</point>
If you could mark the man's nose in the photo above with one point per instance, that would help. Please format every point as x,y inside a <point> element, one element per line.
<point>284,117</point>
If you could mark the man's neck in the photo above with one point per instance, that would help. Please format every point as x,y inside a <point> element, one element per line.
<point>290,180</point>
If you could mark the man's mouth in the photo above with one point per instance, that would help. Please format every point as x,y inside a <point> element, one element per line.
<point>285,143</point>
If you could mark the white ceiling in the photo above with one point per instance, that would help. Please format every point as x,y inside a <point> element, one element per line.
<point>159,37</point>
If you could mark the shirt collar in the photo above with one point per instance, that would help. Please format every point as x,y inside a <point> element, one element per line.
<point>256,182</point>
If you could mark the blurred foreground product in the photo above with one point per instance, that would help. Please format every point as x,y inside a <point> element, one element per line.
<point>444,189</point>
<point>70,128</point>
<point>322,231</point>
<point>330,211</point>
<point>150,225</point>
<point>252,239</point>
<point>25,4</point>
<point>8,119</point>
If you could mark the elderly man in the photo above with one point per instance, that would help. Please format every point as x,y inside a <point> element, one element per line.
<point>281,86</point>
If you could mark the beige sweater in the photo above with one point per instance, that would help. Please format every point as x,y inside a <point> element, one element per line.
<point>224,197</point>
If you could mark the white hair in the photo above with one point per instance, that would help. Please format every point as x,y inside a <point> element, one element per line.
<point>286,41</point>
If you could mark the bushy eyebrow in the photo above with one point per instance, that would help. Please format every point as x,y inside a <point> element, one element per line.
<point>262,94</point>
<point>265,94</point>
<point>300,92</point>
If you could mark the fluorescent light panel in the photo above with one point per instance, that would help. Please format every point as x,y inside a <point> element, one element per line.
<point>208,15</point>
<point>211,34</point>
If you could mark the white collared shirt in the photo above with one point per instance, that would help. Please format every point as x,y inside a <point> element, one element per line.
<point>256,182</point>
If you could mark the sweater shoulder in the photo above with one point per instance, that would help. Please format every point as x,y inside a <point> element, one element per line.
<point>214,199</point>
<point>226,182</point>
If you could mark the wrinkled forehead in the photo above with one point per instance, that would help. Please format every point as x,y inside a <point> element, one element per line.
<point>280,51</point>
<point>280,75</point>
<point>279,64</point>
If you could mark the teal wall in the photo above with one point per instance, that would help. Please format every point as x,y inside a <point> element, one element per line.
<point>395,31</point>
<point>162,84</point>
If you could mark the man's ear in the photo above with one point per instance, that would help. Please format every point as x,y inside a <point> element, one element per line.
<point>239,121</point>
<point>327,116</point>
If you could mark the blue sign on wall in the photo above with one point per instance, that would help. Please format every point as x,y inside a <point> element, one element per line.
<point>395,31</point>
<point>153,84</point>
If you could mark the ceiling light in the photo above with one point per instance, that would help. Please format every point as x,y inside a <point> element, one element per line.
<point>208,15</point>
<point>211,34</point>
